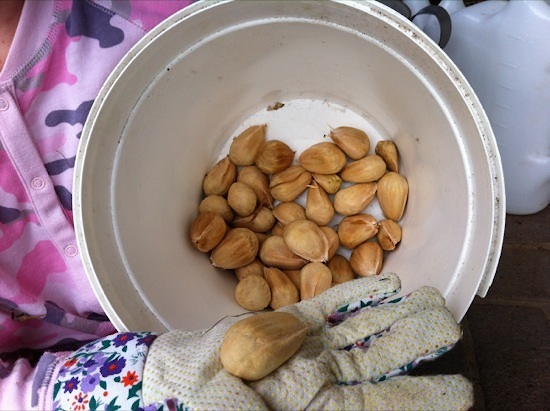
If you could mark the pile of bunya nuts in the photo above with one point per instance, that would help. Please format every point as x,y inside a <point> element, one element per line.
<point>281,251</point>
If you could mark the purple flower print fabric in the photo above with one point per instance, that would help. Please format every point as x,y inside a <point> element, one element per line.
<point>105,374</point>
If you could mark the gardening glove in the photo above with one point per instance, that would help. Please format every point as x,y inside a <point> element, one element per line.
<point>352,358</point>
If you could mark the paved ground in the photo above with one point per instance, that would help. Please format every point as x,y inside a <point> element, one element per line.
<point>506,346</point>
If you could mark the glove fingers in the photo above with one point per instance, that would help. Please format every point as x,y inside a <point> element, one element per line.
<point>396,350</point>
<point>344,297</point>
<point>296,382</point>
<point>445,392</point>
<point>375,319</point>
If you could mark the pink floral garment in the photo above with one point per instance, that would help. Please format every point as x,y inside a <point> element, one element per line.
<point>62,53</point>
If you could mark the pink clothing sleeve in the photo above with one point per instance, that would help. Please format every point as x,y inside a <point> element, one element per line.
<point>24,387</point>
<point>62,52</point>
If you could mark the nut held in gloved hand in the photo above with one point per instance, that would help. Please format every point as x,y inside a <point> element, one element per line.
<point>358,345</point>
<point>255,346</point>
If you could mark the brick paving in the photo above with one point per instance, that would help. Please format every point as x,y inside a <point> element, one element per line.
<point>505,351</point>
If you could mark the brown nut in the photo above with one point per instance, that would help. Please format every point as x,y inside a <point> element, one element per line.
<point>216,204</point>
<point>277,229</point>
<point>341,269</point>
<point>288,212</point>
<point>207,231</point>
<point>365,170</point>
<point>241,198</point>
<point>260,221</point>
<point>256,346</point>
<point>306,239</point>
<point>315,278</point>
<point>354,198</point>
<point>333,240</point>
<point>274,156</point>
<point>253,293</point>
<point>389,234</point>
<point>323,158</point>
<point>295,277</point>
<point>392,194</point>
<point>283,290</point>
<point>244,148</point>
<point>356,229</point>
<point>254,268</point>
<point>238,248</point>
<point>287,185</point>
<point>275,253</point>
<point>261,238</point>
<point>388,151</point>
<point>220,177</point>
<point>258,182</point>
<point>331,183</point>
<point>367,259</point>
<point>319,208</point>
<point>354,142</point>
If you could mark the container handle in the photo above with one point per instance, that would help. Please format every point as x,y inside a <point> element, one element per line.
<point>444,19</point>
<point>442,15</point>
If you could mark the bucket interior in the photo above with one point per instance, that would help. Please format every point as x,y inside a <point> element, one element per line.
<point>172,108</point>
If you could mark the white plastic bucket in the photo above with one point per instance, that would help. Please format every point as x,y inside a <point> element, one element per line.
<point>168,111</point>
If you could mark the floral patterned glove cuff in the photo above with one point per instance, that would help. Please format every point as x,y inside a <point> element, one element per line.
<point>104,374</point>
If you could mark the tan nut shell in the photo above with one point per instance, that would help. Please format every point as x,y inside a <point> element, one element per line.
<point>274,156</point>
<point>392,194</point>
<point>332,238</point>
<point>262,237</point>
<point>218,205</point>
<point>253,293</point>
<point>365,170</point>
<point>257,181</point>
<point>315,278</point>
<point>277,229</point>
<point>388,151</point>
<point>220,177</point>
<point>288,212</point>
<point>255,346</point>
<point>254,268</point>
<point>306,239</point>
<point>367,259</point>
<point>389,234</point>
<point>354,198</point>
<point>283,290</point>
<point>260,221</point>
<point>287,185</point>
<point>356,229</point>
<point>207,231</point>
<point>319,208</point>
<point>354,142</point>
<point>331,183</point>
<point>241,198</point>
<point>244,148</point>
<point>323,158</point>
<point>295,276</point>
<point>238,248</point>
<point>274,252</point>
<point>340,269</point>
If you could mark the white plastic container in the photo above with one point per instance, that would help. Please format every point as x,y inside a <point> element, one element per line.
<point>168,111</point>
<point>503,49</point>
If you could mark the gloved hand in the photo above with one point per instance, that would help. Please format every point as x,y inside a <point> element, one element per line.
<point>357,346</point>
